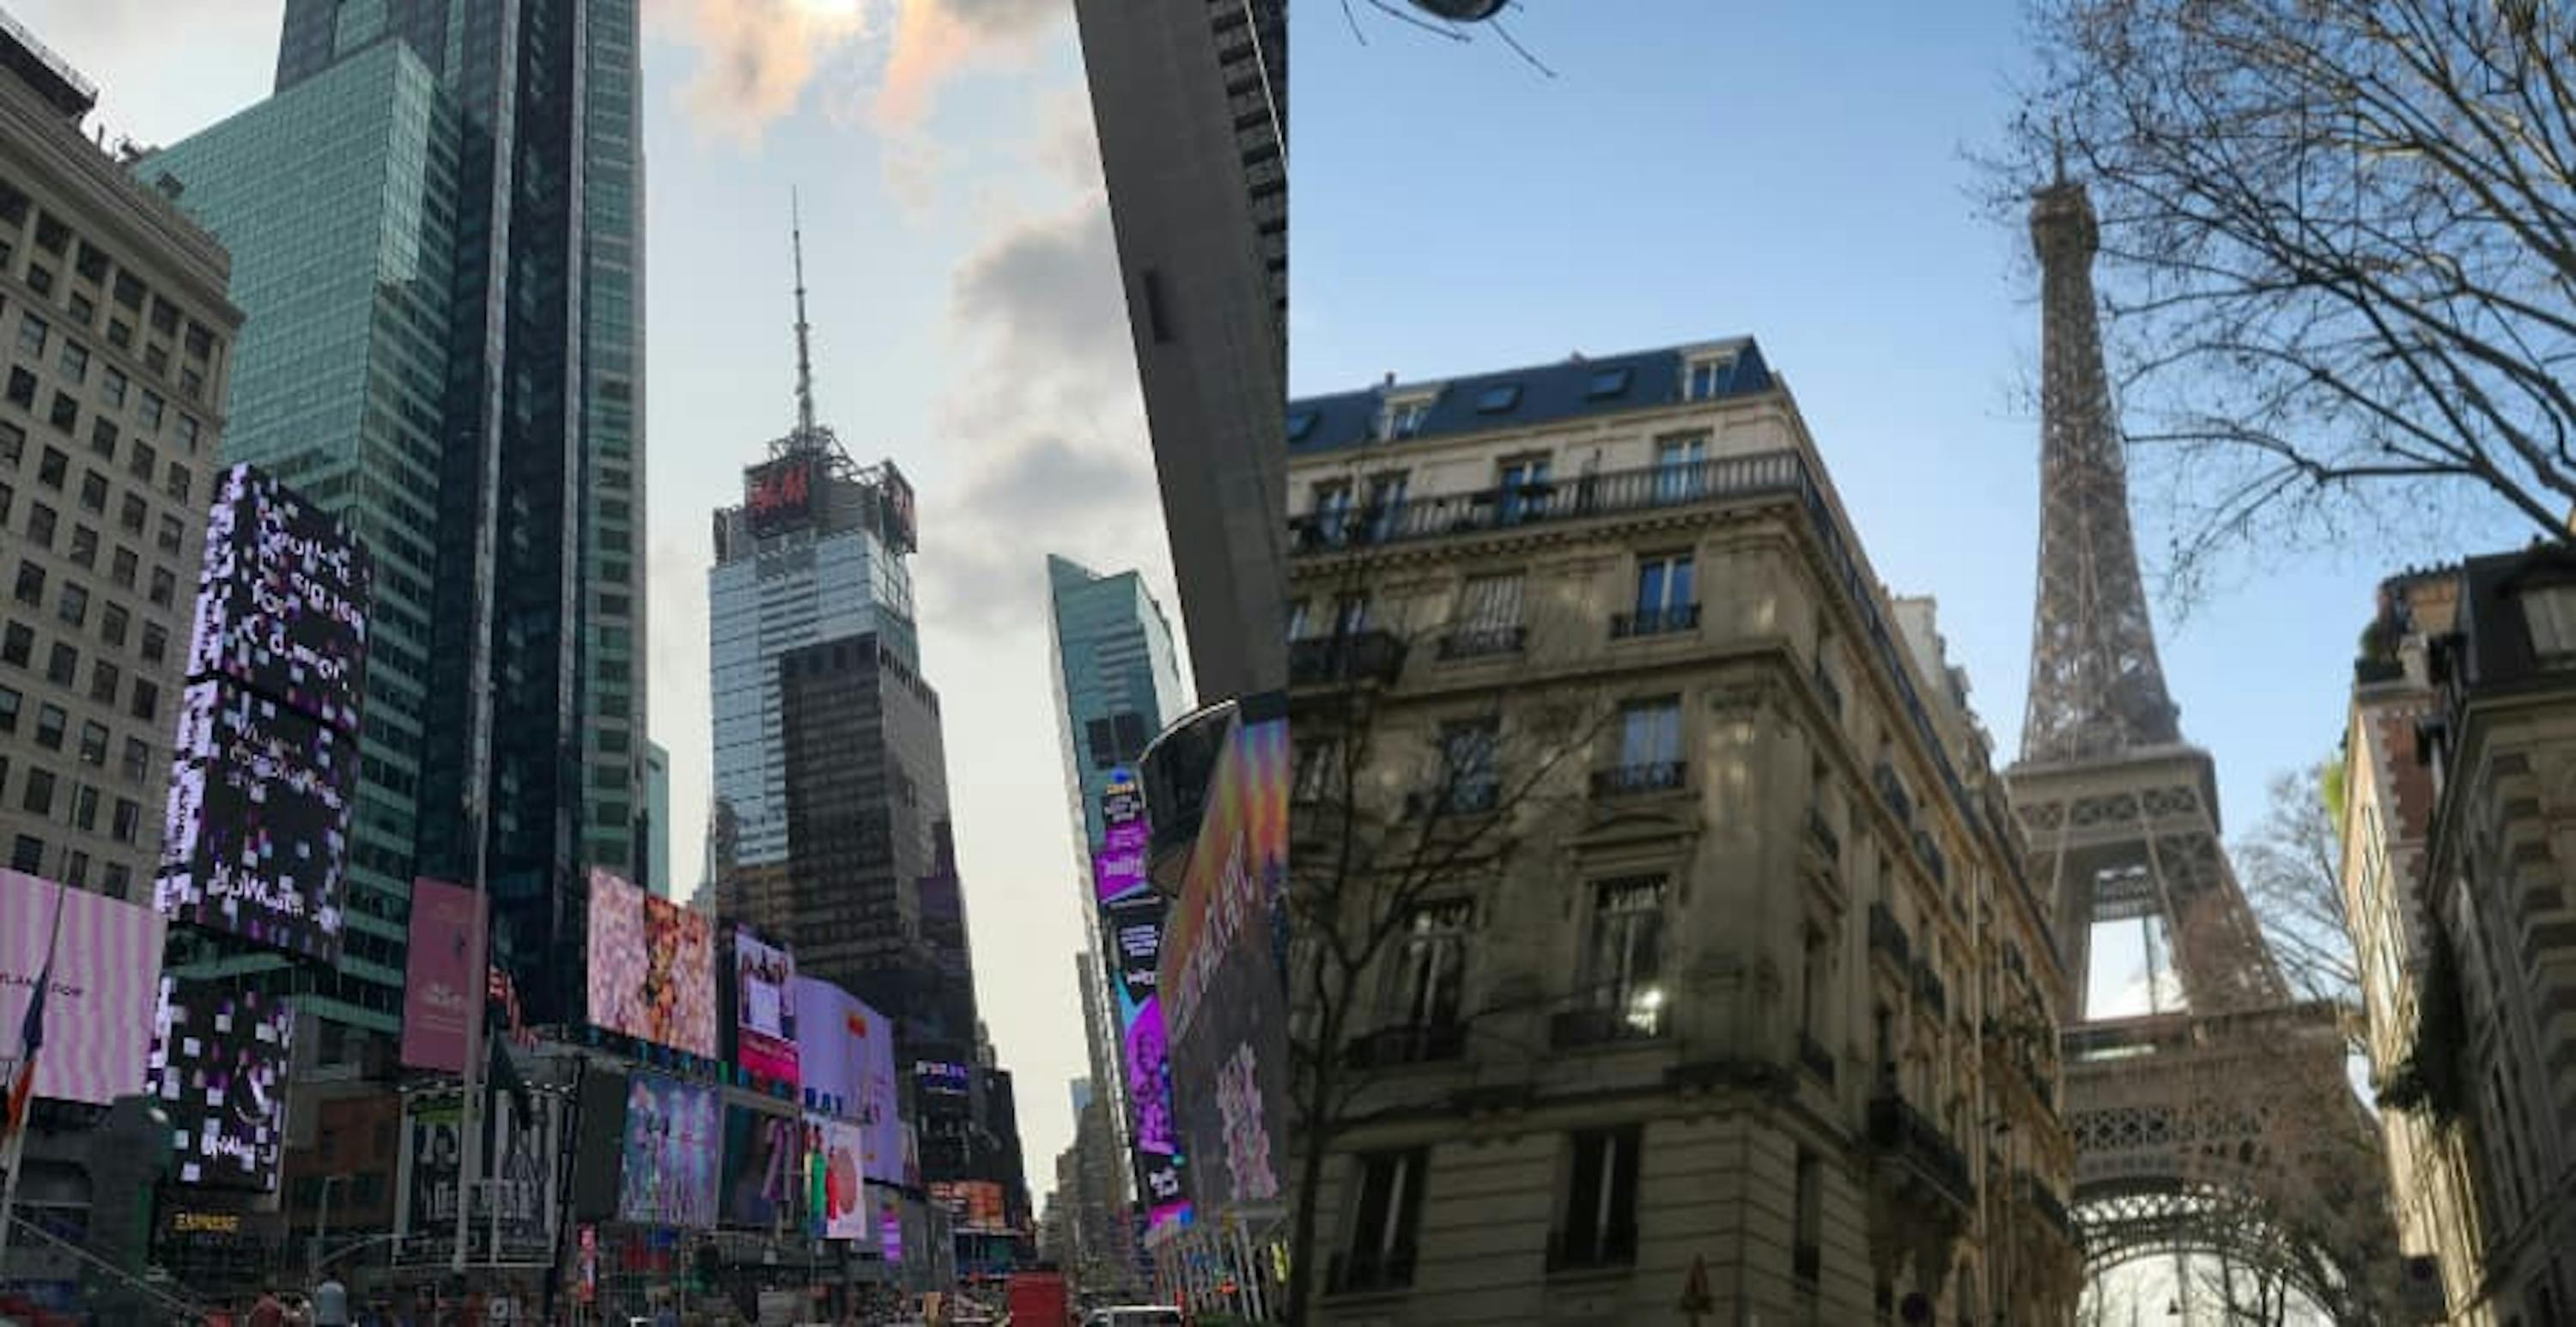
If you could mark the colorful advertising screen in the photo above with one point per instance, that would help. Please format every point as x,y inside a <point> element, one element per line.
<point>515,1200</point>
<point>103,1000</point>
<point>973,1206</point>
<point>438,976</point>
<point>673,1141</point>
<point>219,1069</point>
<point>764,1163</point>
<point>840,1182</point>
<point>780,495</point>
<point>845,1052</point>
<point>1132,915</point>
<point>765,1007</point>
<point>255,833</point>
<point>282,601</point>
<point>1224,987</point>
<point>652,968</point>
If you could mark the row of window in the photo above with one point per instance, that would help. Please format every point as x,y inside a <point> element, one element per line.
<point>53,237</point>
<point>1490,607</point>
<point>1703,378</point>
<point>27,855</point>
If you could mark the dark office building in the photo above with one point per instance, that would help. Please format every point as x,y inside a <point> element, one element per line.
<point>535,708</point>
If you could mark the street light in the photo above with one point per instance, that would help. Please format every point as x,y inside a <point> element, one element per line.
<point>321,1227</point>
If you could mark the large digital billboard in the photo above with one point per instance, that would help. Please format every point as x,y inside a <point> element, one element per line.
<point>764,1158</point>
<point>764,1007</point>
<point>282,601</point>
<point>652,968</point>
<point>1132,915</point>
<point>780,495</point>
<point>1224,987</point>
<point>219,1069</point>
<point>841,1182</point>
<point>515,1198</point>
<point>845,1052</point>
<point>973,1206</point>
<point>672,1144</point>
<point>100,1013</point>
<point>255,834</point>
<point>439,968</point>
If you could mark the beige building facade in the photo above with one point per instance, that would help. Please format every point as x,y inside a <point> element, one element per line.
<point>2460,870</point>
<point>1698,959</point>
<point>117,335</point>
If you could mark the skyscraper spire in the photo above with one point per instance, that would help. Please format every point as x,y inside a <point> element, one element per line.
<point>804,361</point>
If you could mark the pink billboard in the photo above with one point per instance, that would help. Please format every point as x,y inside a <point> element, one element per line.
<point>106,986</point>
<point>438,976</point>
<point>652,968</point>
<point>765,1007</point>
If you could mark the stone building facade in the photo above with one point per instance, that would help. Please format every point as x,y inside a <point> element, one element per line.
<point>1702,960</point>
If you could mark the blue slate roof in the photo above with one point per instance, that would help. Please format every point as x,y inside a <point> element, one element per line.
<point>1512,398</point>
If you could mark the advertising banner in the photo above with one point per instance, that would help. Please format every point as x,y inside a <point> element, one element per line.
<point>438,976</point>
<point>844,1210</point>
<point>779,496</point>
<point>514,1216</point>
<point>219,1068</point>
<point>764,1164</point>
<point>433,1156</point>
<point>255,831</point>
<point>1131,913</point>
<point>973,1206</point>
<point>1224,979</point>
<point>672,1144</point>
<point>765,1007</point>
<point>652,968</point>
<point>103,1004</point>
<point>282,601</point>
<point>845,1053</point>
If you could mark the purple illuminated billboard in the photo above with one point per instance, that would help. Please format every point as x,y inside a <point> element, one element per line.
<point>255,834</point>
<point>219,1069</point>
<point>101,1004</point>
<point>282,601</point>
<point>439,966</point>
<point>673,1141</point>
<point>845,1053</point>
<point>1132,915</point>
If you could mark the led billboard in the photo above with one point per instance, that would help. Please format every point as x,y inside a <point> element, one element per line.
<point>219,1069</point>
<point>103,1001</point>
<point>1224,976</point>
<point>515,1197</point>
<point>764,1007</point>
<point>973,1206</point>
<point>845,1051</point>
<point>255,833</point>
<point>1132,915</point>
<point>764,1157</point>
<point>672,1145</point>
<point>652,968</point>
<point>843,1212</point>
<point>779,496</point>
<point>439,966</point>
<point>282,601</point>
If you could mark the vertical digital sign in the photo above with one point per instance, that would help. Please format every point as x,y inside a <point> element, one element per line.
<point>764,1007</point>
<point>672,1145</point>
<point>845,1055</point>
<point>219,1069</point>
<point>282,601</point>
<point>439,967</point>
<point>1132,914</point>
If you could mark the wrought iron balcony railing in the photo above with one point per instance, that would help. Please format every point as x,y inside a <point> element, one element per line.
<point>1359,656</point>
<point>1887,936</point>
<point>1389,1047</point>
<point>1933,861</point>
<point>1619,491</point>
<point>1483,642</point>
<point>1814,1055</point>
<point>1832,693</point>
<point>1666,621</point>
<point>1929,986</point>
<point>1822,834</point>
<point>1602,1026</point>
<point>2049,1209</point>
<point>1909,1136</point>
<point>1587,1250</point>
<point>1359,1271</point>
<point>1632,780</point>
<point>1474,798</point>
<point>1893,789</point>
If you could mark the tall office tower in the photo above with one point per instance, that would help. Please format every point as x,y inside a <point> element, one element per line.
<point>533,769</point>
<point>1190,105</point>
<point>1117,682</point>
<point>346,277</point>
<point>120,339</point>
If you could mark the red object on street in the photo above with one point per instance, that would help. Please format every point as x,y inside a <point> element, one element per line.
<point>1038,1299</point>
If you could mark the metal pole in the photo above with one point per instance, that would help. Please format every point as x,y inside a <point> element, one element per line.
<point>18,1137</point>
<point>470,1160</point>
<point>321,1230</point>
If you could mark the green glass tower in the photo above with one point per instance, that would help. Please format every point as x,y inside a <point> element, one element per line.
<point>338,202</point>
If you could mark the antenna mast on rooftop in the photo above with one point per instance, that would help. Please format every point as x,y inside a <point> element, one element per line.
<point>804,360</point>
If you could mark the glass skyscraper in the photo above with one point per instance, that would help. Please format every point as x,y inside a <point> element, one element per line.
<point>338,201</point>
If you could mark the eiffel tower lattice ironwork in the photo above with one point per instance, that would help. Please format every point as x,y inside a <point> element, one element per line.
<point>2226,1125</point>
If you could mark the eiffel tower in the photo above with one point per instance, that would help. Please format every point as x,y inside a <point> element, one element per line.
<point>2220,1121</point>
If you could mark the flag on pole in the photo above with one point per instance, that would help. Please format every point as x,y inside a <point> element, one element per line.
<point>31,1037</point>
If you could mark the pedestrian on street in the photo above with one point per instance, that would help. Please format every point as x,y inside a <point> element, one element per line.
<point>330,1303</point>
<point>269,1311</point>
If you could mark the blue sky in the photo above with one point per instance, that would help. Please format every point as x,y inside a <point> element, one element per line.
<point>968,325</point>
<point>1794,172</point>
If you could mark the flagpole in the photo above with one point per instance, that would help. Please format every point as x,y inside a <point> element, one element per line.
<point>19,1129</point>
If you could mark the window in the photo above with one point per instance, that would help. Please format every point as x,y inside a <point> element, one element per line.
<point>188,433</point>
<point>65,414</point>
<point>1624,970</point>
<point>129,818</point>
<point>1385,1221</point>
<point>1806,1235</point>
<point>165,586</point>
<point>1405,418</point>
<point>1489,617</point>
<point>2550,613</point>
<point>93,493</point>
<point>52,467</point>
<point>1425,986</point>
<point>1598,1225</point>
<point>129,291</point>
<point>22,389</point>
<point>1300,425</point>
<point>61,663</point>
<point>71,604</point>
<point>120,334</point>
<point>1681,469</point>
<point>1705,378</point>
<point>76,868</point>
<point>112,621</point>
<point>138,462</point>
<point>85,808</point>
<point>103,681</point>
<point>156,642</point>
<point>32,332</point>
<point>74,361</point>
<point>51,234</point>
<point>84,546</point>
<point>1496,400</point>
<point>17,644</point>
<point>174,481</point>
<point>82,309</point>
<point>1350,614</point>
<point>91,263</point>
<point>1522,487</point>
<point>31,583</point>
<point>9,703</point>
<point>1301,617</point>
<point>1650,743</point>
<point>201,342</point>
<point>1332,509</point>
<point>147,701</point>
<point>27,854</point>
<point>121,566</point>
<point>165,317</point>
<point>171,534</point>
<point>51,723</point>
<point>38,795</point>
<point>1606,383</point>
<point>13,444</point>
<point>1320,775</point>
<point>114,885</point>
<point>40,525</point>
<point>1665,596</point>
<point>1385,505</point>
<point>1468,781</point>
<point>156,357</point>
<point>130,513</point>
<point>152,407</point>
<point>112,386</point>
<point>137,762</point>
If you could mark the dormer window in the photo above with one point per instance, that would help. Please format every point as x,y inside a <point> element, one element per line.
<point>1405,417</point>
<point>1496,400</point>
<point>1606,383</point>
<point>1703,379</point>
<point>1301,425</point>
<point>2549,611</point>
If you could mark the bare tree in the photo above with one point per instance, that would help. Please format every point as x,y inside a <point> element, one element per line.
<point>2338,241</point>
<point>1388,817</point>
<point>2291,870</point>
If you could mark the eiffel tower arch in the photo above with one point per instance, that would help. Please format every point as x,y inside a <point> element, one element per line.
<point>2219,1120</point>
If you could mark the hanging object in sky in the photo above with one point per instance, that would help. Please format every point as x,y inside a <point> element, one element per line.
<point>1462,11</point>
